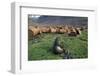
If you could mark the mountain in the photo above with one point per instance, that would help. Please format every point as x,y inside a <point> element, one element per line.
<point>70,20</point>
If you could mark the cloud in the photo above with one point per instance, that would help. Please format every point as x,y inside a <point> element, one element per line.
<point>34,16</point>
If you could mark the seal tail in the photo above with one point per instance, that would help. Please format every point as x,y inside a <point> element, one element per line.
<point>67,55</point>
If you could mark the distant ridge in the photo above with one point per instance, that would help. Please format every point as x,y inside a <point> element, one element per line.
<point>60,20</point>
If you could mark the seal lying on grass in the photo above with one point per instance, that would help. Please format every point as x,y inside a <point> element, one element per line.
<point>59,49</point>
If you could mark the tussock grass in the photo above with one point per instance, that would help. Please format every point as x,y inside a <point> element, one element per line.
<point>41,47</point>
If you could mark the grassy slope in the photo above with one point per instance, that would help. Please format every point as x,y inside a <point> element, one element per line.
<point>40,48</point>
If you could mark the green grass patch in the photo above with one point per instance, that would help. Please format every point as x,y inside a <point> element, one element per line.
<point>41,47</point>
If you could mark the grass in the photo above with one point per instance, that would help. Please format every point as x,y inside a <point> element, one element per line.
<point>41,47</point>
